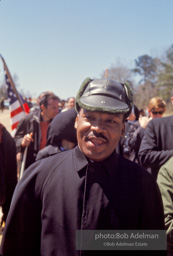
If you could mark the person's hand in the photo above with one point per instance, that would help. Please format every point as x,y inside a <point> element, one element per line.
<point>143,121</point>
<point>27,139</point>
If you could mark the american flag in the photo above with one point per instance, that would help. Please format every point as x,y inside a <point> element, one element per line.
<point>16,110</point>
<point>17,106</point>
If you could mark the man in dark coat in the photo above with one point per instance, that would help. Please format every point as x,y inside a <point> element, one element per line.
<point>8,170</point>
<point>32,129</point>
<point>89,187</point>
<point>157,144</point>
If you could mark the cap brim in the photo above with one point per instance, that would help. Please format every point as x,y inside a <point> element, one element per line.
<point>104,103</point>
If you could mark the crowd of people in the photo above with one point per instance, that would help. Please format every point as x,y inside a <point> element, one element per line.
<point>96,163</point>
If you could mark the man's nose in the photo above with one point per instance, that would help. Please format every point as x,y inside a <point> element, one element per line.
<point>98,125</point>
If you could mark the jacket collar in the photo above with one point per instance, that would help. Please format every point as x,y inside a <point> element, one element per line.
<point>36,116</point>
<point>80,161</point>
<point>109,164</point>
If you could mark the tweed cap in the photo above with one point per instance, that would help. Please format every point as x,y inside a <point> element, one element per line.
<point>105,95</point>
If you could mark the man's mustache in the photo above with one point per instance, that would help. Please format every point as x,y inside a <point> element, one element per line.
<point>95,134</point>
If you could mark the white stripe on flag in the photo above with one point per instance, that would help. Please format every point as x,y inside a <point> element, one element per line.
<point>15,105</point>
<point>17,118</point>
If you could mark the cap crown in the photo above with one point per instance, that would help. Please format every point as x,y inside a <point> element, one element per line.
<point>105,95</point>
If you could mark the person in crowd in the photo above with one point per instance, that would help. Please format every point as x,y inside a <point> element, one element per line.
<point>29,102</point>
<point>142,112</point>
<point>61,134</point>
<point>135,128</point>
<point>156,107</point>
<point>126,146</point>
<point>89,187</point>
<point>62,105</point>
<point>32,129</point>
<point>157,146</point>
<point>8,170</point>
<point>2,105</point>
<point>165,182</point>
<point>70,103</point>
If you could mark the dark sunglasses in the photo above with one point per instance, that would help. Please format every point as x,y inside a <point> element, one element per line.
<point>157,112</point>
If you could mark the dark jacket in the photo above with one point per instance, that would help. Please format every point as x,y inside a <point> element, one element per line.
<point>65,192</point>
<point>8,169</point>
<point>157,144</point>
<point>48,151</point>
<point>30,123</point>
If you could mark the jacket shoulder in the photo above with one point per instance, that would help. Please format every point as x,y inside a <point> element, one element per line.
<point>134,172</point>
<point>162,120</point>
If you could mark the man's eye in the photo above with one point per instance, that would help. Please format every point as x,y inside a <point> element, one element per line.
<point>89,118</point>
<point>111,121</point>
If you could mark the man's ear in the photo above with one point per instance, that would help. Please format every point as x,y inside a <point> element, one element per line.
<point>76,121</point>
<point>42,106</point>
<point>172,100</point>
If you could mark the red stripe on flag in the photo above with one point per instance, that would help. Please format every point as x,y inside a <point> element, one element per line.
<point>26,107</point>
<point>14,126</point>
<point>16,111</point>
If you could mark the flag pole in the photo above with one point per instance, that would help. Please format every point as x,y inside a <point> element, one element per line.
<point>20,101</point>
<point>12,83</point>
<point>106,73</point>
<point>23,162</point>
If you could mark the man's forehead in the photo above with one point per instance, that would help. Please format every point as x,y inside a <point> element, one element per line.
<point>53,101</point>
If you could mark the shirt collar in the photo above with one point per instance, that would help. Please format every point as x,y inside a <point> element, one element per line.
<point>109,164</point>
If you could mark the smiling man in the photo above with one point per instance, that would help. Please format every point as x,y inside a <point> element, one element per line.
<point>89,187</point>
<point>98,133</point>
